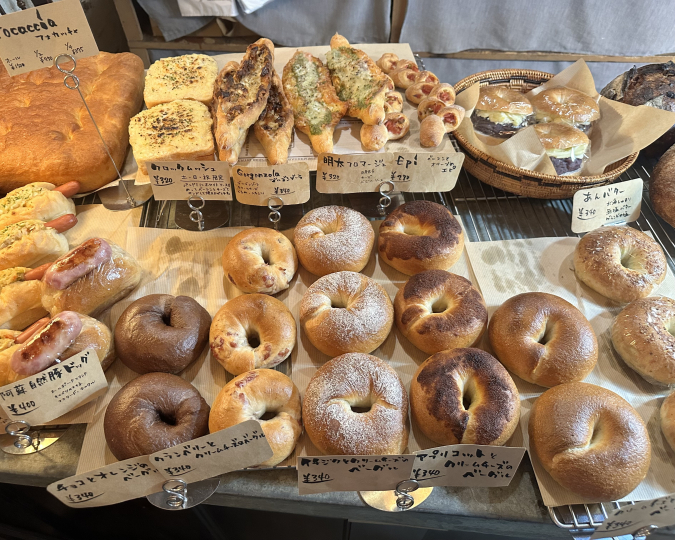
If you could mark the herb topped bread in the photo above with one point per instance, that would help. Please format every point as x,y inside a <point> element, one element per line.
<point>180,130</point>
<point>190,76</point>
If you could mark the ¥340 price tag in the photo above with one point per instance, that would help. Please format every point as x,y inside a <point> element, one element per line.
<point>352,473</point>
<point>255,185</point>
<point>629,519</point>
<point>55,391</point>
<point>467,465</point>
<point>180,180</point>
<point>606,205</point>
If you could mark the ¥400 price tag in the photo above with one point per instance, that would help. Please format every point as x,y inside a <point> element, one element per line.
<point>467,465</point>
<point>352,473</point>
<point>255,185</point>
<point>606,205</point>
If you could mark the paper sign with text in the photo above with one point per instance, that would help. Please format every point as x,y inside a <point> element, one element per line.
<point>54,391</point>
<point>628,519</point>
<point>33,38</point>
<point>606,205</point>
<point>467,465</point>
<point>231,449</point>
<point>425,172</point>
<point>352,473</point>
<point>112,484</point>
<point>255,185</point>
<point>352,173</point>
<point>180,180</point>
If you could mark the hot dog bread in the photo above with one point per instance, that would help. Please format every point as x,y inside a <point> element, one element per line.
<point>20,297</point>
<point>90,278</point>
<point>39,347</point>
<point>39,200</point>
<point>32,242</point>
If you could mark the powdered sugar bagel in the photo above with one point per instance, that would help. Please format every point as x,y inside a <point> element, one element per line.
<point>332,239</point>
<point>346,312</point>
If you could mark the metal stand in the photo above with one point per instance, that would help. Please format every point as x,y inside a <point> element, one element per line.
<point>194,215</point>
<point>398,500</point>
<point>385,199</point>
<point>275,215</point>
<point>113,198</point>
<point>644,532</point>
<point>177,495</point>
<point>18,438</point>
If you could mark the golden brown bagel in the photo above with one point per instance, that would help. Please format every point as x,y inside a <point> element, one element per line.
<point>566,105</point>
<point>503,99</point>
<point>464,396</point>
<point>590,440</point>
<point>668,419</point>
<point>543,339</point>
<point>254,394</point>
<point>437,310</point>
<point>620,263</point>
<point>356,381</point>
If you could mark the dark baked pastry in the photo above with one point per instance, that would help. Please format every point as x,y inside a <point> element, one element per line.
<point>662,187</point>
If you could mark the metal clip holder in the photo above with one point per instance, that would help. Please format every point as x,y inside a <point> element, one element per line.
<point>196,215</point>
<point>398,500</point>
<point>20,438</point>
<point>176,494</point>
<point>110,197</point>
<point>385,199</point>
<point>275,215</point>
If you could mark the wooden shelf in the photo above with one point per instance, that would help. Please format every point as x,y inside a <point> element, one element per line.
<point>542,56</point>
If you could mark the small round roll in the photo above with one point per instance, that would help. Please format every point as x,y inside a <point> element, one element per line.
<point>258,393</point>
<point>432,131</point>
<point>356,404</point>
<point>333,239</point>
<point>252,331</point>
<point>464,396</point>
<point>543,339</point>
<point>387,62</point>
<point>642,335</point>
<point>590,440</point>
<point>667,416</point>
<point>260,260</point>
<point>437,310</point>
<point>373,138</point>
<point>420,235</point>
<point>620,263</point>
<point>346,312</point>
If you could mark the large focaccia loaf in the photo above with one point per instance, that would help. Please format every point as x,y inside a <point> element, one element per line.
<point>46,134</point>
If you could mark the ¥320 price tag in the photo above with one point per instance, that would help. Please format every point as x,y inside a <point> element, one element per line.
<point>32,39</point>
<point>352,473</point>
<point>606,205</point>
<point>180,180</point>
<point>255,185</point>
<point>231,449</point>
<point>467,465</point>
<point>629,519</point>
<point>55,391</point>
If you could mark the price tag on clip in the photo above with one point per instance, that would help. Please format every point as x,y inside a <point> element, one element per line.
<point>180,180</point>
<point>630,519</point>
<point>255,185</point>
<point>606,205</point>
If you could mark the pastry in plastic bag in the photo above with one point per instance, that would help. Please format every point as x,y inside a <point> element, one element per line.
<point>566,106</point>
<point>501,112</point>
<point>566,146</point>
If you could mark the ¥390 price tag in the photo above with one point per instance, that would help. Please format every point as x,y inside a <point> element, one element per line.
<point>55,391</point>
<point>180,180</point>
<point>606,205</point>
<point>32,39</point>
<point>467,465</point>
<point>255,185</point>
<point>629,519</point>
<point>352,473</point>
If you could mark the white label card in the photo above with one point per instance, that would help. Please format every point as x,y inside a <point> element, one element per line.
<point>628,519</point>
<point>55,391</point>
<point>180,180</point>
<point>425,172</point>
<point>352,473</point>
<point>467,465</point>
<point>606,205</point>
<point>32,39</point>
<point>231,449</point>
<point>112,484</point>
<point>255,185</point>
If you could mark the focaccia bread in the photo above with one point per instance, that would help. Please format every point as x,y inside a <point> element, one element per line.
<point>316,106</point>
<point>275,126</point>
<point>180,130</point>
<point>190,76</point>
<point>358,81</point>
<point>240,96</point>
<point>46,133</point>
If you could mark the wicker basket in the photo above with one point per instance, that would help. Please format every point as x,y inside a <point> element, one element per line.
<point>521,181</point>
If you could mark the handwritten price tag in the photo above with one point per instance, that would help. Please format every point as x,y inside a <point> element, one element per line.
<point>467,465</point>
<point>352,473</point>
<point>55,391</point>
<point>112,484</point>
<point>231,449</point>
<point>606,205</point>
<point>255,185</point>
<point>352,173</point>
<point>33,38</point>
<point>425,172</point>
<point>180,180</point>
<point>628,519</point>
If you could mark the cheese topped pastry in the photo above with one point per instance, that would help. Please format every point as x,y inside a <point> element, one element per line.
<point>172,131</point>
<point>275,126</point>
<point>357,80</point>
<point>190,76</point>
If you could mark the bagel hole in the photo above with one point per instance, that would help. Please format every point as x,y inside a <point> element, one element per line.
<point>596,435</point>
<point>253,339</point>
<point>439,306</point>
<point>629,260</point>
<point>268,415</point>
<point>338,303</point>
<point>328,228</point>
<point>670,327</point>
<point>167,418</point>
<point>360,410</point>
<point>468,394</point>
<point>265,255</point>
<point>412,230</point>
<point>547,334</point>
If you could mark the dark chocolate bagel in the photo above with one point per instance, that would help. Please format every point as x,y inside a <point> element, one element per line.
<point>154,412</point>
<point>160,332</point>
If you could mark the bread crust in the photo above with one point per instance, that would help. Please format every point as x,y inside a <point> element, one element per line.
<point>40,246</point>
<point>37,200</point>
<point>503,99</point>
<point>274,128</point>
<point>20,302</point>
<point>662,186</point>
<point>190,76</point>
<point>66,147</point>
<point>560,136</point>
<point>566,105</point>
<point>667,416</point>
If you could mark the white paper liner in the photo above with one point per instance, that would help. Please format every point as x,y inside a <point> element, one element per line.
<point>506,268</point>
